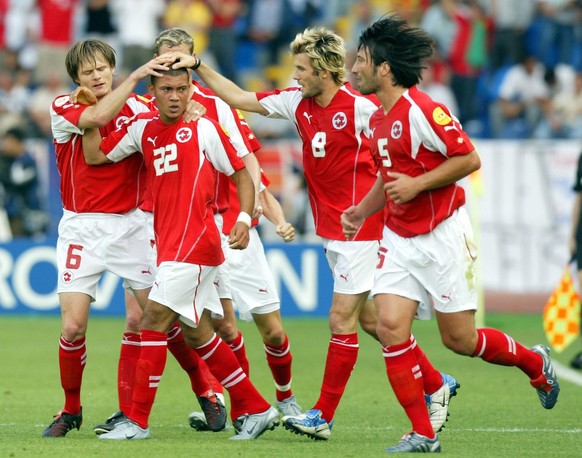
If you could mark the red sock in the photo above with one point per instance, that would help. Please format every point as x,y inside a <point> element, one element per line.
<point>432,378</point>
<point>148,374</point>
<point>128,356</point>
<point>244,397</point>
<point>237,345</point>
<point>189,361</point>
<point>279,359</point>
<point>497,347</point>
<point>214,383</point>
<point>406,379</point>
<point>72,359</point>
<point>341,359</point>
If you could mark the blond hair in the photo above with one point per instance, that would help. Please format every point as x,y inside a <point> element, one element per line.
<point>174,37</point>
<point>325,49</point>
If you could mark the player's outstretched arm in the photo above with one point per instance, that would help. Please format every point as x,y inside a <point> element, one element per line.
<point>274,213</point>
<point>223,87</point>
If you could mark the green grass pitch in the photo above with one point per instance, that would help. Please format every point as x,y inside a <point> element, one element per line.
<point>496,414</point>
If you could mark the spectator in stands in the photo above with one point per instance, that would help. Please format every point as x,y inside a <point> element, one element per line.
<point>56,35</point>
<point>439,91</point>
<point>523,94</point>
<point>439,21</point>
<point>468,56</point>
<point>511,20</point>
<point>223,34</point>
<point>40,98</point>
<point>266,28</point>
<point>138,25</point>
<point>17,31</point>
<point>13,99</point>
<point>557,27</point>
<point>99,22</point>
<point>19,178</point>
<point>193,16</point>
<point>362,15</point>
<point>563,115</point>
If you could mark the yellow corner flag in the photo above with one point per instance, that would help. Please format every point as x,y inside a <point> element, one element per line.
<point>562,314</point>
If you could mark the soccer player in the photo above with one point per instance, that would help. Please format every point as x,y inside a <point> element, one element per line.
<point>332,121</point>
<point>246,278</point>
<point>427,248</point>
<point>208,391</point>
<point>102,227</point>
<point>181,161</point>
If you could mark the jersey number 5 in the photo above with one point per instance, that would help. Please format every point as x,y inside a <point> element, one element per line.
<point>165,158</point>
<point>383,151</point>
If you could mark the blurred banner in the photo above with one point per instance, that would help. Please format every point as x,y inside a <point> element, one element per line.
<point>28,278</point>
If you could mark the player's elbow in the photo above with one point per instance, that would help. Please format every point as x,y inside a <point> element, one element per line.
<point>96,160</point>
<point>474,163</point>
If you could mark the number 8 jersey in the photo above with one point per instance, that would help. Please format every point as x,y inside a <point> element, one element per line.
<point>337,164</point>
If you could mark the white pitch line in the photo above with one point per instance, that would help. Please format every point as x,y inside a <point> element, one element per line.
<point>566,373</point>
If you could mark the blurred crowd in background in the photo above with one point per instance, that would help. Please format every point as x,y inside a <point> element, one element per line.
<point>508,69</point>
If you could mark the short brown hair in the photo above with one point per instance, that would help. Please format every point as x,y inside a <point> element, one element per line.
<point>87,51</point>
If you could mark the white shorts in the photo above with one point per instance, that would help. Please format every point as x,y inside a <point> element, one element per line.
<point>222,280</point>
<point>352,264</point>
<point>252,284</point>
<point>440,264</point>
<point>153,252</point>
<point>90,244</point>
<point>187,289</point>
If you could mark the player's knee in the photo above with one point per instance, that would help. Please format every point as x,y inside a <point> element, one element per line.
<point>226,330</point>
<point>273,336</point>
<point>132,322</point>
<point>73,330</point>
<point>458,344</point>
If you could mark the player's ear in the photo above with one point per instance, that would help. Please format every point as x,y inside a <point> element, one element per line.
<point>151,88</point>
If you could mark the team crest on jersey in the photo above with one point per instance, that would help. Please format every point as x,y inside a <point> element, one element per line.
<point>339,120</point>
<point>121,121</point>
<point>440,117</point>
<point>68,276</point>
<point>62,101</point>
<point>184,134</point>
<point>396,131</point>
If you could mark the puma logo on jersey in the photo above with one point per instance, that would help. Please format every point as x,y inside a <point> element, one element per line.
<point>344,277</point>
<point>152,140</point>
<point>148,271</point>
<point>307,116</point>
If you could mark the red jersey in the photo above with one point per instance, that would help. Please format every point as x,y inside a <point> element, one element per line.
<point>112,188</point>
<point>416,136</point>
<point>3,11</point>
<point>228,118</point>
<point>181,161</point>
<point>240,136</point>
<point>339,170</point>
<point>57,21</point>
